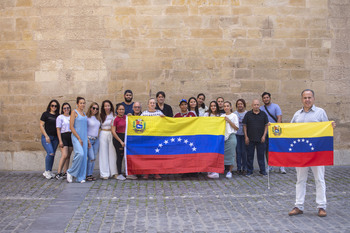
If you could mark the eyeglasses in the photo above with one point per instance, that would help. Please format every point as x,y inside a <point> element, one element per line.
<point>137,107</point>
<point>53,105</point>
<point>66,108</point>
<point>93,108</point>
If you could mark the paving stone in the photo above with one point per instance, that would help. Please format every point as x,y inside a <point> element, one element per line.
<point>174,204</point>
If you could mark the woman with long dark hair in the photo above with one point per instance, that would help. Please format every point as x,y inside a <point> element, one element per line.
<point>193,106</point>
<point>201,105</point>
<point>94,124</point>
<point>78,126</point>
<point>65,139</point>
<point>213,111</point>
<point>118,132</point>
<point>49,138</point>
<point>108,157</point>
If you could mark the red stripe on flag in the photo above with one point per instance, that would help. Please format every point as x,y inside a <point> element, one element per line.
<point>288,159</point>
<point>173,164</point>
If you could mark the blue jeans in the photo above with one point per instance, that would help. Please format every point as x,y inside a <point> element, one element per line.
<point>50,149</point>
<point>92,154</point>
<point>241,151</point>
<point>260,149</point>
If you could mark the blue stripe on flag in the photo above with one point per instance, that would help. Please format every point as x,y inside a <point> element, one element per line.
<point>301,145</point>
<point>163,145</point>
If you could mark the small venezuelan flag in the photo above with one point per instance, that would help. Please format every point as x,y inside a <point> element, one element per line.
<point>164,145</point>
<point>301,144</point>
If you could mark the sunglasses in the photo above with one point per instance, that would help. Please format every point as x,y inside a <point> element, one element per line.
<point>93,108</point>
<point>66,108</point>
<point>53,105</point>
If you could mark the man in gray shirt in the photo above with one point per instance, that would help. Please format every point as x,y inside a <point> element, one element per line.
<point>310,113</point>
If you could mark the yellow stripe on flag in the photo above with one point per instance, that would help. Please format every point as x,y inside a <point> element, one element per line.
<point>167,126</point>
<point>301,130</point>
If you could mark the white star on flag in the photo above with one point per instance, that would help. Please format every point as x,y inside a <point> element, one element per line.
<point>302,140</point>
<point>194,148</point>
<point>179,139</point>
<point>186,141</point>
<point>312,148</point>
<point>298,140</point>
<point>291,145</point>
<point>294,142</point>
<point>307,141</point>
<point>166,142</point>
<point>160,145</point>
<point>172,139</point>
<point>310,144</point>
<point>157,150</point>
<point>290,149</point>
<point>191,144</point>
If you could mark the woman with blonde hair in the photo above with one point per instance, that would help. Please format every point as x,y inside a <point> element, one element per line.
<point>94,124</point>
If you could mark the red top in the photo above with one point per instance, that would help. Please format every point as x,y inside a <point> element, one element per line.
<point>188,114</point>
<point>120,124</point>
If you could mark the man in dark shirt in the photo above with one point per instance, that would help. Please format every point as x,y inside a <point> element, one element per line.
<point>255,124</point>
<point>128,104</point>
<point>166,109</point>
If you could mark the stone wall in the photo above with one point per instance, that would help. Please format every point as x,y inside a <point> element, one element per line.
<point>230,48</point>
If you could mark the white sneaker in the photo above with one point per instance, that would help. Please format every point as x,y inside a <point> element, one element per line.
<point>282,170</point>
<point>229,175</point>
<point>120,177</point>
<point>131,177</point>
<point>83,181</point>
<point>47,175</point>
<point>213,175</point>
<point>69,178</point>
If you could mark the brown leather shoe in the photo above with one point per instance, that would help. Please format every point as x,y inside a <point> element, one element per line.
<point>322,212</point>
<point>295,211</point>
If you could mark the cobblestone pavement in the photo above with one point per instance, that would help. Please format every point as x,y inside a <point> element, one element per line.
<point>30,203</point>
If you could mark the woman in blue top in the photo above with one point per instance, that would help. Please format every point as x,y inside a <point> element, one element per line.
<point>78,126</point>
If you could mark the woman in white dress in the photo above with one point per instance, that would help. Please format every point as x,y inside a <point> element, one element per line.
<point>108,156</point>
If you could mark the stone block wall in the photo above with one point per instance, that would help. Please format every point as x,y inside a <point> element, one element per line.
<point>230,48</point>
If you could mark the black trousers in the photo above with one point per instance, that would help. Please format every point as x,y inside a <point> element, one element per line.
<point>120,151</point>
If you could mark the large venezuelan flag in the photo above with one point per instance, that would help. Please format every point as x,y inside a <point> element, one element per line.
<point>164,145</point>
<point>301,144</point>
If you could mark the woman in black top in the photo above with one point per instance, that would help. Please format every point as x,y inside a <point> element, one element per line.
<point>49,138</point>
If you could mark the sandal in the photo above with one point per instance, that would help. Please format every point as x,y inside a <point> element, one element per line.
<point>90,178</point>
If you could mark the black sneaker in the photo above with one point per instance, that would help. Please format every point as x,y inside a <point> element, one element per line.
<point>59,176</point>
<point>64,175</point>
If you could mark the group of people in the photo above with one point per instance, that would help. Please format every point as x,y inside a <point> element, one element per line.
<point>102,132</point>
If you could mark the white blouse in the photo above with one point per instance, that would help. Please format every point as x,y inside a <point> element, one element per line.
<point>93,126</point>
<point>62,122</point>
<point>229,129</point>
<point>107,124</point>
